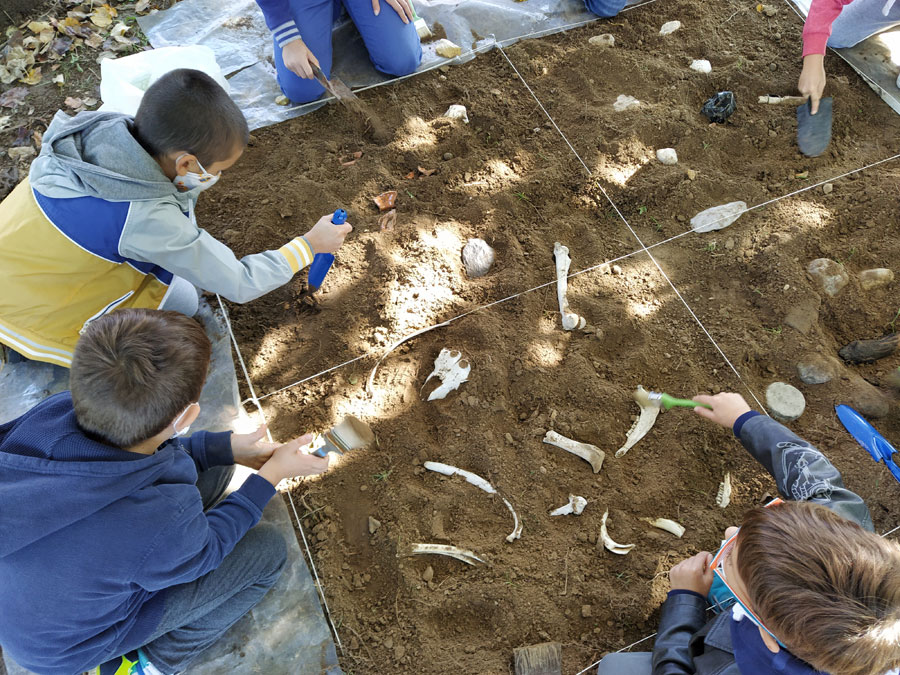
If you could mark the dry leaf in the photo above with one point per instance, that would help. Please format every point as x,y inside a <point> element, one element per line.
<point>102,16</point>
<point>388,220</point>
<point>426,172</point>
<point>73,102</point>
<point>21,153</point>
<point>118,33</point>
<point>386,200</point>
<point>94,40</point>
<point>70,26</point>
<point>5,122</point>
<point>411,174</point>
<point>141,6</point>
<point>13,97</point>
<point>89,101</point>
<point>38,138</point>
<point>33,76</point>
<point>46,35</point>
<point>802,174</point>
<point>39,26</point>
<point>60,79</point>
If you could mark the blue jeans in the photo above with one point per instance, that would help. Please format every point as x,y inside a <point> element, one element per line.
<point>393,45</point>
<point>626,663</point>
<point>861,19</point>
<point>605,8</point>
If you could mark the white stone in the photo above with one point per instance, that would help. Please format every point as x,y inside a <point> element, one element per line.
<point>667,156</point>
<point>718,217</point>
<point>624,102</point>
<point>785,403</point>
<point>669,27</point>
<point>874,278</point>
<point>457,112</point>
<point>478,257</point>
<point>605,40</point>
<point>830,275</point>
<point>447,49</point>
<point>701,66</point>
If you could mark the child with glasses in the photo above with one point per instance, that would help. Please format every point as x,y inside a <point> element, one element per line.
<point>803,587</point>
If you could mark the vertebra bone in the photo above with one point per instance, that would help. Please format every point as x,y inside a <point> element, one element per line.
<point>575,507</point>
<point>608,543</point>
<point>570,320</point>
<point>723,497</point>
<point>649,413</point>
<point>589,453</point>
<point>479,482</point>
<point>451,369</point>
<point>443,549</point>
<point>668,525</point>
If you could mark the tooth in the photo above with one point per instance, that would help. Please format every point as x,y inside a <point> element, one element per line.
<point>589,453</point>
<point>645,422</point>
<point>570,320</point>
<point>575,507</point>
<point>723,497</point>
<point>608,543</point>
<point>667,525</point>
<point>443,549</point>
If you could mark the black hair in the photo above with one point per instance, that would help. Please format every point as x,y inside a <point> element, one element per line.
<point>187,110</point>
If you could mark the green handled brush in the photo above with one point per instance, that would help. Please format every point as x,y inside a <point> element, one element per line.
<point>661,400</point>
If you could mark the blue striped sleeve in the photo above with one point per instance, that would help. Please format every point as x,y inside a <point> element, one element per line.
<point>279,20</point>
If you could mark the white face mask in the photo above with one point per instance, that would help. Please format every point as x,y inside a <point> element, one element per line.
<point>193,181</point>
<point>181,432</point>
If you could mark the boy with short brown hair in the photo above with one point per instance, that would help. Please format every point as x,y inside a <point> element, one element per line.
<point>803,587</point>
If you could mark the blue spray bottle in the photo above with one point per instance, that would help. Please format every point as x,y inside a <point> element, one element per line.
<point>322,262</point>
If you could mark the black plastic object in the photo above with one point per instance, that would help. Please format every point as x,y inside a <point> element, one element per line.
<point>814,131</point>
<point>719,107</point>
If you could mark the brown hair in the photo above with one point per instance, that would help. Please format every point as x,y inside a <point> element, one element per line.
<point>134,371</point>
<point>828,589</point>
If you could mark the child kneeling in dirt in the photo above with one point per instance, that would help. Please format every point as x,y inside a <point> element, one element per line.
<point>106,544</point>
<point>803,586</point>
<point>105,219</point>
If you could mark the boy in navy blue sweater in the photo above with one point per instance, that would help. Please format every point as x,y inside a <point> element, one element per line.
<point>109,541</point>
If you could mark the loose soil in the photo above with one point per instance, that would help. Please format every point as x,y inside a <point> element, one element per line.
<point>511,180</point>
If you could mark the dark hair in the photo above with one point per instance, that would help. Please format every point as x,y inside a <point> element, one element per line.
<point>828,589</point>
<point>134,371</point>
<point>187,110</point>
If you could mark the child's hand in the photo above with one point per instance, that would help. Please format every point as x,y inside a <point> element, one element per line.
<point>250,449</point>
<point>325,236</point>
<point>693,574</point>
<point>812,80</point>
<point>289,461</point>
<point>726,408</point>
<point>297,57</point>
<point>402,7</point>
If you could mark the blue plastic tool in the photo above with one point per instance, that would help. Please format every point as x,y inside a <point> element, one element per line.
<point>322,262</point>
<point>868,437</point>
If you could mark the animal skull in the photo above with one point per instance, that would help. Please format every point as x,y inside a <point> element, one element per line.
<point>451,369</point>
<point>649,413</point>
<point>589,453</point>
<point>575,507</point>
<point>570,320</point>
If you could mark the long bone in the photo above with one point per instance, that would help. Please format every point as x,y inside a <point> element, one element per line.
<point>649,413</point>
<point>479,482</point>
<point>589,453</point>
<point>443,549</point>
<point>570,320</point>
<point>575,507</point>
<point>668,525</point>
<point>608,543</point>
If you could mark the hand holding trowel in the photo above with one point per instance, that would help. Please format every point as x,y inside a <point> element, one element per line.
<point>814,131</point>
<point>334,86</point>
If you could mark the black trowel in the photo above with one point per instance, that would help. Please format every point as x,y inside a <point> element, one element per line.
<point>814,131</point>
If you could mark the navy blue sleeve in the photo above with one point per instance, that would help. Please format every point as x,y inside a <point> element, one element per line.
<point>209,449</point>
<point>279,20</point>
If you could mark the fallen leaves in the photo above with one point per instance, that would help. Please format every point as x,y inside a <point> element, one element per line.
<point>13,97</point>
<point>387,221</point>
<point>386,200</point>
<point>422,171</point>
<point>103,16</point>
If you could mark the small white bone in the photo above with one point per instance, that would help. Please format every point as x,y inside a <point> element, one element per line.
<point>443,549</point>
<point>589,453</point>
<point>570,320</point>
<point>723,497</point>
<point>608,543</point>
<point>479,482</point>
<point>649,413</point>
<point>575,507</point>
<point>789,100</point>
<point>668,525</point>
<point>452,369</point>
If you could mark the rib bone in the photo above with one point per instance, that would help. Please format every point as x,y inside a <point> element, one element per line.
<point>575,507</point>
<point>667,525</point>
<point>570,320</point>
<point>443,549</point>
<point>589,453</point>
<point>649,412</point>
<point>479,482</point>
<point>608,543</point>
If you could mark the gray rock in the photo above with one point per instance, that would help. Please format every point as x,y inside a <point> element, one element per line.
<point>875,278</point>
<point>478,257</point>
<point>830,275</point>
<point>784,402</point>
<point>816,369</point>
<point>868,399</point>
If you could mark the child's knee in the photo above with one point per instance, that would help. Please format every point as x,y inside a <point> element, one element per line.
<point>298,89</point>
<point>268,543</point>
<point>402,60</point>
<point>604,8</point>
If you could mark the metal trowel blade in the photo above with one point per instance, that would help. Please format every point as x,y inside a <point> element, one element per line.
<point>334,86</point>
<point>814,131</point>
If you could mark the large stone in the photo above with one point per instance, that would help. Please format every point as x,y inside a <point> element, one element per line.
<point>875,278</point>
<point>785,403</point>
<point>718,217</point>
<point>478,257</point>
<point>667,156</point>
<point>605,40</point>
<point>816,369</point>
<point>830,275</point>
<point>866,398</point>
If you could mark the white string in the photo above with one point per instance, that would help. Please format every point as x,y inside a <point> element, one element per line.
<point>312,564</point>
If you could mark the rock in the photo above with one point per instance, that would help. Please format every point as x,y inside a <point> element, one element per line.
<point>667,156</point>
<point>769,11</point>
<point>624,102</point>
<point>865,398</point>
<point>374,524</point>
<point>281,99</point>
<point>814,368</point>
<point>616,269</point>
<point>457,112</point>
<point>428,574</point>
<point>478,257</point>
<point>586,611</point>
<point>691,174</point>
<point>448,156</point>
<point>701,66</point>
<point>875,278</point>
<point>718,217</point>
<point>447,49</point>
<point>784,402</point>
<point>830,275</point>
<point>605,40</point>
<point>827,188</point>
<point>729,243</point>
<point>803,316</point>
<point>669,27</point>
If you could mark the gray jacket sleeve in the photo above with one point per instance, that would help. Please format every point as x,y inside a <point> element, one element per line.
<point>158,232</point>
<point>683,614</point>
<point>801,472</point>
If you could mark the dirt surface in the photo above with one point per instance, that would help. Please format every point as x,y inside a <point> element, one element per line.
<point>509,178</point>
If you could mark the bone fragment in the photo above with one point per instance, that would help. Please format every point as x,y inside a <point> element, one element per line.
<point>447,49</point>
<point>608,543</point>
<point>452,369</point>
<point>788,100</point>
<point>669,27</point>
<point>570,320</point>
<point>667,525</point>
<point>723,498</point>
<point>589,453</point>
<point>645,422</point>
<point>479,482</point>
<point>575,507</point>
<point>457,112</point>
<point>443,549</point>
